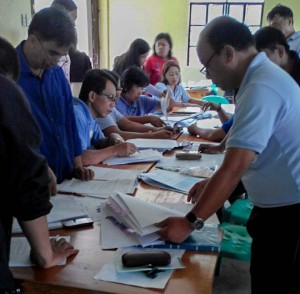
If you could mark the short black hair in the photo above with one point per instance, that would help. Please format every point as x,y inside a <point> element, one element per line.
<point>95,80</point>
<point>268,38</point>
<point>168,38</point>
<point>230,32</point>
<point>69,5</point>
<point>53,24</point>
<point>280,10</point>
<point>133,76</point>
<point>9,61</point>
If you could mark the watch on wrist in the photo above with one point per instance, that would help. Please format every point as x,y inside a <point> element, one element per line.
<point>197,223</point>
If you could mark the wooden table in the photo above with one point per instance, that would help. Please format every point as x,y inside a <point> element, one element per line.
<point>77,276</point>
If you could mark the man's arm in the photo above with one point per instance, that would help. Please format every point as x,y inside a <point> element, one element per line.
<point>215,135</point>
<point>44,252</point>
<point>212,196</point>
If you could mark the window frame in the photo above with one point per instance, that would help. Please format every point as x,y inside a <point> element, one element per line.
<point>225,11</point>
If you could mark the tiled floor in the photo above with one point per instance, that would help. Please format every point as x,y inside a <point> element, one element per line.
<point>234,278</point>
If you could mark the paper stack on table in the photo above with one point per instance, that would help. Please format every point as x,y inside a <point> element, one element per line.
<point>128,221</point>
<point>65,207</point>
<point>156,144</point>
<point>147,155</point>
<point>95,188</point>
<point>170,180</point>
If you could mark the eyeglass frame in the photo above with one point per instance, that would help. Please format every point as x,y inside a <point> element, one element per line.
<point>111,97</point>
<point>48,55</point>
<point>203,69</point>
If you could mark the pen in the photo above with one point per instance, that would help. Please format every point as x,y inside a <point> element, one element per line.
<point>169,168</point>
<point>72,193</point>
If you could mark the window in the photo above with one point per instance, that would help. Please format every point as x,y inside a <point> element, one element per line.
<point>201,12</point>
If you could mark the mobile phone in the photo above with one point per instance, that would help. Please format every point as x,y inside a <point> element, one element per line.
<point>78,222</point>
<point>188,155</point>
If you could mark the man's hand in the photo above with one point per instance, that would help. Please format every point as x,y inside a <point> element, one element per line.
<point>125,149</point>
<point>61,249</point>
<point>193,129</point>
<point>211,148</point>
<point>83,173</point>
<point>196,190</point>
<point>114,139</point>
<point>162,134</point>
<point>52,184</point>
<point>175,229</point>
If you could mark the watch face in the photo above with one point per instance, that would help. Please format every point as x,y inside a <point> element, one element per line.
<point>198,224</point>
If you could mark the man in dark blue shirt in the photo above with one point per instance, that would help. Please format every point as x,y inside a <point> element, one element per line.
<point>51,33</point>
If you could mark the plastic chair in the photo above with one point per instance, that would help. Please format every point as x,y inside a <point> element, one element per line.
<point>238,212</point>
<point>215,99</point>
<point>235,244</point>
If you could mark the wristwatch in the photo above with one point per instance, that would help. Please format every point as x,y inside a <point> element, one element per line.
<point>197,223</point>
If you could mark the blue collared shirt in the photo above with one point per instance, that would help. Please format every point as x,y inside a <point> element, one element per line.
<point>89,131</point>
<point>179,94</point>
<point>51,102</point>
<point>142,106</point>
<point>294,42</point>
<point>266,114</point>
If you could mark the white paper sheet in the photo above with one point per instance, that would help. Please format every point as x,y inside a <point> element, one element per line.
<point>141,156</point>
<point>108,174</point>
<point>170,180</point>
<point>157,144</point>
<point>139,279</point>
<point>20,251</point>
<point>140,215</point>
<point>100,189</point>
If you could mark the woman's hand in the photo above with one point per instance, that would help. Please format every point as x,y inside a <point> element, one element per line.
<point>156,121</point>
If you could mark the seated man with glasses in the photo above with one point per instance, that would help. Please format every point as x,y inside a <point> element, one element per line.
<point>50,35</point>
<point>97,98</point>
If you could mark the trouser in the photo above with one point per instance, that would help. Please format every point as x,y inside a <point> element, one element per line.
<point>275,251</point>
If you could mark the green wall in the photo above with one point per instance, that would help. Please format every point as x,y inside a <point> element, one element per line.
<point>130,19</point>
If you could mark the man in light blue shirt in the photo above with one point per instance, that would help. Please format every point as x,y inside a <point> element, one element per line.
<point>262,149</point>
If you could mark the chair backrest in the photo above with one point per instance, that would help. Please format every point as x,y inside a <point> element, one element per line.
<point>215,99</point>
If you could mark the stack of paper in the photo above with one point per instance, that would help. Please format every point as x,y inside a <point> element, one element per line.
<point>157,144</point>
<point>128,221</point>
<point>95,188</point>
<point>170,180</point>
<point>148,155</point>
<point>108,174</point>
<point>65,207</point>
<point>207,160</point>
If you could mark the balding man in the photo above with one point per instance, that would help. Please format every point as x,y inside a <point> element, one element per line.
<point>262,150</point>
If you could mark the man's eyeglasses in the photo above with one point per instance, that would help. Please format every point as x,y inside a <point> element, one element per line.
<point>111,97</point>
<point>52,55</point>
<point>203,69</point>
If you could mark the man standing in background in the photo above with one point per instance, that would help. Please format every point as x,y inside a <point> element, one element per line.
<point>281,17</point>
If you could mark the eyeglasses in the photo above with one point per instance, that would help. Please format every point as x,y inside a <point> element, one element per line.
<point>111,97</point>
<point>203,69</point>
<point>53,55</point>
